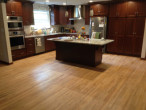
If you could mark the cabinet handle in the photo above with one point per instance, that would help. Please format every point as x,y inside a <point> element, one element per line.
<point>13,12</point>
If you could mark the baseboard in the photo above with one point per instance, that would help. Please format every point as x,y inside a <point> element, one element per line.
<point>6,63</point>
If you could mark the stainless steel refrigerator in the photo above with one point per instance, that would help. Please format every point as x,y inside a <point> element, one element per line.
<point>98,24</point>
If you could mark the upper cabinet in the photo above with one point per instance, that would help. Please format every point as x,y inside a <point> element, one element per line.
<point>54,15</point>
<point>60,15</point>
<point>28,17</point>
<point>99,9</point>
<point>65,12</point>
<point>128,9</point>
<point>14,8</point>
<point>135,8</point>
<point>118,9</point>
<point>87,15</point>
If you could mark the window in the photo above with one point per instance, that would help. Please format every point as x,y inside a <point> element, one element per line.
<point>41,19</point>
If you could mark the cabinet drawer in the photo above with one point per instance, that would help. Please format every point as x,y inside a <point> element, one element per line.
<point>18,54</point>
<point>29,41</point>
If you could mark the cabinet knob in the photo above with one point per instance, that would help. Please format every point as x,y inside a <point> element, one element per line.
<point>13,12</point>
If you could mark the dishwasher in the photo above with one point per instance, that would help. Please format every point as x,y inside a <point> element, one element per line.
<point>39,44</point>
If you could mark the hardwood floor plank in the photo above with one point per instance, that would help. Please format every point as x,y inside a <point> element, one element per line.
<point>42,83</point>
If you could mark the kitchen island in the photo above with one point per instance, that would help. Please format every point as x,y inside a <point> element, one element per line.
<point>86,52</point>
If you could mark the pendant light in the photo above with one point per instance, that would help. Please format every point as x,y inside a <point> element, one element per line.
<point>66,12</point>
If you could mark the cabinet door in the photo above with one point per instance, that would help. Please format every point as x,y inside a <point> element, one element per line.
<point>102,9</point>
<point>54,15</point>
<point>63,18</point>
<point>95,9</point>
<point>9,8</point>
<point>130,27</point>
<point>120,45</point>
<point>117,26</point>
<point>112,26</point>
<point>132,9</point>
<point>139,26</point>
<point>30,46</point>
<point>87,15</point>
<point>113,10</point>
<point>137,46</point>
<point>121,9</point>
<point>112,47</point>
<point>128,45</point>
<point>28,18</point>
<point>141,8</point>
<point>18,8</point>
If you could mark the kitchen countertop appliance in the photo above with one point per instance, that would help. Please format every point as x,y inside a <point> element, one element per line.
<point>39,44</point>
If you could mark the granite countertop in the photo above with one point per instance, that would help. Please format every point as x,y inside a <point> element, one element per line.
<point>98,42</point>
<point>47,35</point>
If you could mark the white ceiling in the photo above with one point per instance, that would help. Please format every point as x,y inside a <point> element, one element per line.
<point>69,2</point>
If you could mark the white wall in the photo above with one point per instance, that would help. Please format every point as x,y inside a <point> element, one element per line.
<point>5,49</point>
<point>143,55</point>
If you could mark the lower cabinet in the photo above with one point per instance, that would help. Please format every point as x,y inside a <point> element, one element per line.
<point>18,54</point>
<point>30,46</point>
<point>50,45</point>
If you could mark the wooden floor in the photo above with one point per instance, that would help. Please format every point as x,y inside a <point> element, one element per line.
<point>42,83</point>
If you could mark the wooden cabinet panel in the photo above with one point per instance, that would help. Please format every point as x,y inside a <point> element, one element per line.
<point>117,26</point>
<point>120,45</point>
<point>54,15</point>
<point>139,27</point>
<point>18,54</point>
<point>30,46</point>
<point>87,15</point>
<point>50,45</point>
<point>141,7</point>
<point>28,18</point>
<point>14,8</point>
<point>118,9</point>
<point>112,47</point>
<point>130,26</point>
<point>132,9</point>
<point>100,9</point>
<point>137,46</point>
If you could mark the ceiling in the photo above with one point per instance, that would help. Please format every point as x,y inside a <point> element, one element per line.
<point>69,2</point>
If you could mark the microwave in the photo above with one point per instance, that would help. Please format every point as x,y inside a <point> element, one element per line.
<point>15,23</point>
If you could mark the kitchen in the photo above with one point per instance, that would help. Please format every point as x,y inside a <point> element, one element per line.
<point>55,37</point>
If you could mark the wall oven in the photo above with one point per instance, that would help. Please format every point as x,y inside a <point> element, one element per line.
<point>15,23</point>
<point>17,40</point>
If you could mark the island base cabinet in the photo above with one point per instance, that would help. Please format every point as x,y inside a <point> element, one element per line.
<point>79,53</point>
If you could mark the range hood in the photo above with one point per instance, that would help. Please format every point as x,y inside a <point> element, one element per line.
<point>79,12</point>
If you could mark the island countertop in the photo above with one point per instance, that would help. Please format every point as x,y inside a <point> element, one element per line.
<point>98,42</point>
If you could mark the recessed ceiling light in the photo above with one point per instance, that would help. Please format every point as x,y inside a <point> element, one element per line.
<point>47,0</point>
<point>91,1</point>
<point>64,3</point>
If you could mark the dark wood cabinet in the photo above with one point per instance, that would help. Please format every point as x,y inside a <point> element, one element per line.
<point>141,7</point>
<point>136,8</point>
<point>87,15</point>
<point>116,26</point>
<point>100,9</point>
<point>118,9</point>
<point>18,54</point>
<point>128,35</point>
<point>14,8</point>
<point>30,46</point>
<point>54,15</point>
<point>112,47</point>
<point>28,17</point>
<point>50,45</point>
<point>64,19</point>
